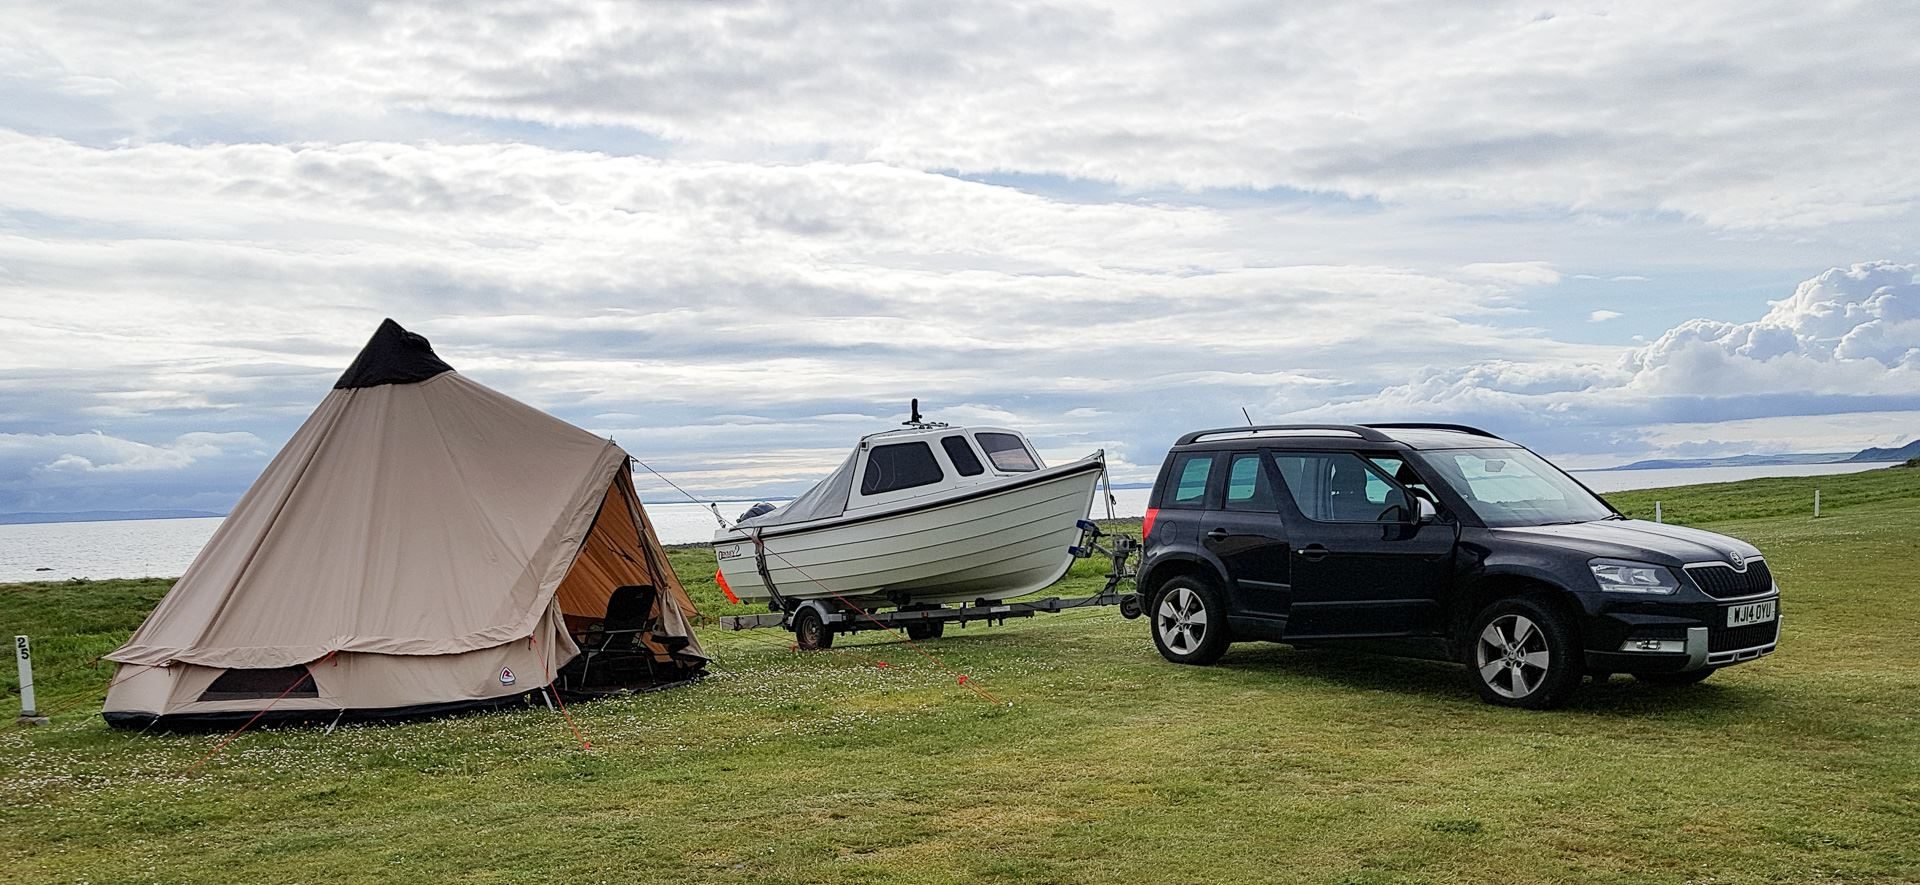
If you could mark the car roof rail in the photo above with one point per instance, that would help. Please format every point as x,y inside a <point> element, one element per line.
<point>1428,425</point>
<point>1360,430</point>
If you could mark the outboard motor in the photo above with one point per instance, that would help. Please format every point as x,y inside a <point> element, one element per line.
<point>760,509</point>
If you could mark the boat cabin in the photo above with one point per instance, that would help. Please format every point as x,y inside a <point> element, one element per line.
<point>901,464</point>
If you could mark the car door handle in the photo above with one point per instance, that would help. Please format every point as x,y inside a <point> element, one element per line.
<point>1314,553</point>
<point>1218,535</point>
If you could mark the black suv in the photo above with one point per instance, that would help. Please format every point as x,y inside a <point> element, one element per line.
<point>1438,540</point>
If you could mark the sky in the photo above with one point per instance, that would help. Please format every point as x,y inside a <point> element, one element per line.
<point>737,236</point>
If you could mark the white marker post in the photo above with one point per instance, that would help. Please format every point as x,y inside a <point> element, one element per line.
<point>1657,515</point>
<point>23,653</point>
<point>1816,503</point>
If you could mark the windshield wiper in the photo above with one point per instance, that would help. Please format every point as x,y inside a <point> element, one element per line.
<point>1612,516</point>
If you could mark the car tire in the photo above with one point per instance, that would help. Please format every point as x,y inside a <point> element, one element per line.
<point>1522,653</point>
<point>1689,677</point>
<point>810,631</point>
<point>1189,622</point>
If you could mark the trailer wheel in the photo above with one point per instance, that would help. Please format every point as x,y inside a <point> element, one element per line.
<point>926,630</point>
<point>810,632</point>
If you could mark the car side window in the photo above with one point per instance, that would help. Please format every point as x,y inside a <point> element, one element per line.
<point>1248,487</point>
<point>1188,481</point>
<point>1402,473</point>
<point>1340,487</point>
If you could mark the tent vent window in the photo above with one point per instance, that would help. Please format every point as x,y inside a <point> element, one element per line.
<point>254,685</point>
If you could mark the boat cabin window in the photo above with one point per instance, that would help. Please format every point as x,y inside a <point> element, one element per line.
<point>891,468</point>
<point>1007,452</point>
<point>962,456</point>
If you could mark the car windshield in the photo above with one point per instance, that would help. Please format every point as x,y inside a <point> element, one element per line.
<point>1515,487</point>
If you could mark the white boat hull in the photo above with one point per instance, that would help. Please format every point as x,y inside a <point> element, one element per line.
<point>988,542</point>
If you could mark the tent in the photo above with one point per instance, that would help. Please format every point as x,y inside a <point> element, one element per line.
<point>423,544</point>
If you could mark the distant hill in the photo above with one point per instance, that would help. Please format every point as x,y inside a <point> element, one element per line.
<point>1740,461</point>
<point>101,516</point>
<point>1910,450</point>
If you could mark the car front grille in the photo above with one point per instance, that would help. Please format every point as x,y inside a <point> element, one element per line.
<point>1749,636</point>
<point>1722,582</point>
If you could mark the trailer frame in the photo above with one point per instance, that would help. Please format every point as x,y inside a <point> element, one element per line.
<point>815,621</point>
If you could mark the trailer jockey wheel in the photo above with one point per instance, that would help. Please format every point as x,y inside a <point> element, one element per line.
<point>1130,607</point>
<point>810,632</point>
<point>926,630</point>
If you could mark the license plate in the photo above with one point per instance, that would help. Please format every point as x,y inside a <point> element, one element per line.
<point>1751,613</point>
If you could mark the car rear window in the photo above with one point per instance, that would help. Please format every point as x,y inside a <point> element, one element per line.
<point>1188,480</point>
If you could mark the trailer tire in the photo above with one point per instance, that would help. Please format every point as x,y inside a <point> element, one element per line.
<point>925,630</point>
<point>810,631</point>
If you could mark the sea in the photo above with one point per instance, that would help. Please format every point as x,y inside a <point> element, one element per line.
<point>164,547</point>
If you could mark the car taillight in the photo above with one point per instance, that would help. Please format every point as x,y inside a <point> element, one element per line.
<point>1146,525</point>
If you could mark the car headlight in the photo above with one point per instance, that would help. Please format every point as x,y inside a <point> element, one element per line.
<point>1622,576</point>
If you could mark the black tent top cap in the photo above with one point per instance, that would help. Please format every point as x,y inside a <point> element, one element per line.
<point>392,356</point>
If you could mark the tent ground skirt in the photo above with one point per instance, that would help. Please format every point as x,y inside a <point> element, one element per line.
<point>228,720</point>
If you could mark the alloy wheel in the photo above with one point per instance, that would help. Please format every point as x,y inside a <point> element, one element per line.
<point>1512,656</point>
<point>1182,620</point>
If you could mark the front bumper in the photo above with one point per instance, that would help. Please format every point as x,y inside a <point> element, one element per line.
<point>1689,634</point>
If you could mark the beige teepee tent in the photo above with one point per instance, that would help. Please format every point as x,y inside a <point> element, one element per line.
<point>421,545</point>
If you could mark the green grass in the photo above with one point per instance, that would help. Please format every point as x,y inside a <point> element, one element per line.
<point>1103,764</point>
<point>1774,496</point>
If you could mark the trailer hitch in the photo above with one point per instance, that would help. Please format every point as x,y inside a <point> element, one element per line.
<point>1120,550</point>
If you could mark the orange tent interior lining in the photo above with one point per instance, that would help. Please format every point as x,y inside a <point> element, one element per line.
<point>620,550</point>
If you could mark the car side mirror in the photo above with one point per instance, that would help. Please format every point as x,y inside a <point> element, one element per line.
<point>1423,510</point>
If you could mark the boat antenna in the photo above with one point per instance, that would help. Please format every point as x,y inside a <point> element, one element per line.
<point>916,421</point>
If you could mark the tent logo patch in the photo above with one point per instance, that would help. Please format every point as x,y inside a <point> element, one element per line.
<point>506,676</point>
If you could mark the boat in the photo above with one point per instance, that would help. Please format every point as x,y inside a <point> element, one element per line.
<point>918,517</point>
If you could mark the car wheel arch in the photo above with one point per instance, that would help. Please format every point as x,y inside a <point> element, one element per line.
<point>1489,588</point>
<point>1178,566</point>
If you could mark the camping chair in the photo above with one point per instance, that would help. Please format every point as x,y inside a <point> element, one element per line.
<point>629,616</point>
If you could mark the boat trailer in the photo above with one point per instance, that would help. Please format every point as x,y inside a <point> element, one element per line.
<point>814,622</point>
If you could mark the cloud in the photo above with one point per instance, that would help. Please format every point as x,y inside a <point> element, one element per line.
<point>1853,331</point>
<point>1519,273</point>
<point>87,471</point>
<point>172,289</point>
<point>1490,105</point>
<point>1601,316</point>
<point>1847,341</point>
<point>735,236</point>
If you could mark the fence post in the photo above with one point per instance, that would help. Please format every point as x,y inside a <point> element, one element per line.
<point>1657,515</point>
<point>23,654</point>
<point>1816,503</point>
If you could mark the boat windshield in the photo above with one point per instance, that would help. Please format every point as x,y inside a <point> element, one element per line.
<point>1515,487</point>
<point>1007,452</point>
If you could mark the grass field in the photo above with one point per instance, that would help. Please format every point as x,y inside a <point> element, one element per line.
<point>1103,763</point>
